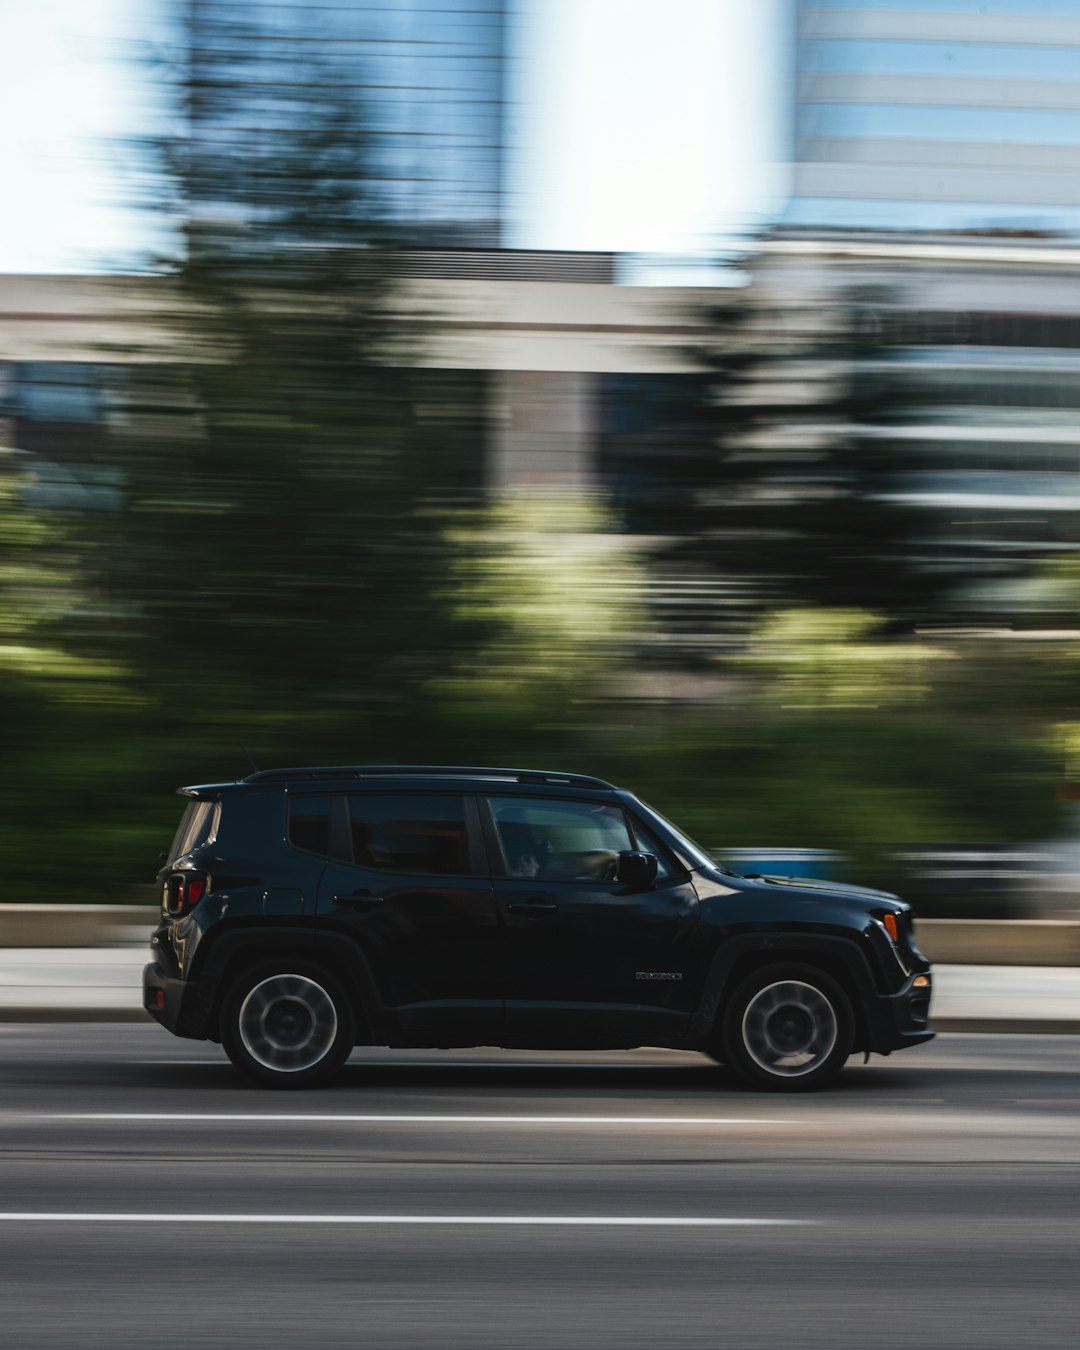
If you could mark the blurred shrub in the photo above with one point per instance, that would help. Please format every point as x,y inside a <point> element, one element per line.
<point>828,658</point>
<point>557,593</point>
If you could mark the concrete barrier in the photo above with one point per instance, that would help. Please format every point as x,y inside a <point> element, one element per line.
<point>958,942</point>
<point>75,925</point>
<point>1000,942</point>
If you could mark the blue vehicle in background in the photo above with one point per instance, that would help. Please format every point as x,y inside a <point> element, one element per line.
<point>812,864</point>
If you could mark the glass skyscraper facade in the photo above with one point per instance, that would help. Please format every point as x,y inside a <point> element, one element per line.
<point>426,77</point>
<point>934,115</point>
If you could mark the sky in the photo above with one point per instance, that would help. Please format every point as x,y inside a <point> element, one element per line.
<point>649,127</point>
<point>67,100</point>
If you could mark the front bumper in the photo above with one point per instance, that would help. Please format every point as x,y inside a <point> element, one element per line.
<point>184,1007</point>
<point>895,1021</point>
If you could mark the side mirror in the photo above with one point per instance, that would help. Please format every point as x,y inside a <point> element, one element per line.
<point>637,870</point>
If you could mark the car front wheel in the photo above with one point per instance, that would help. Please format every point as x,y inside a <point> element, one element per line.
<point>288,1025</point>
<point>788,1029</point>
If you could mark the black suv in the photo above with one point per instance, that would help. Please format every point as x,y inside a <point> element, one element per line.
<point>305,911</point>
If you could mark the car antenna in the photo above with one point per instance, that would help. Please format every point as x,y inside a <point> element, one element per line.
<point>247,756</point>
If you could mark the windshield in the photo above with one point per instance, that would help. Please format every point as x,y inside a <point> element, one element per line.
<point>699,856</point>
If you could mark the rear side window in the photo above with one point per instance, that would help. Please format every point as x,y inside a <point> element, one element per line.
<point>198,825</point>
<point>410,834</point>
<point>309,824</point>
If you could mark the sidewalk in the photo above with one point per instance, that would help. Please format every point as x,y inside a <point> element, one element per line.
<point>72,984</point>
<point>104,984</point>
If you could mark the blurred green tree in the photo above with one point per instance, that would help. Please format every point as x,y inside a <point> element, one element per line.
<point>792,494</point>
<point>559,592</point>
<point>273,577</point>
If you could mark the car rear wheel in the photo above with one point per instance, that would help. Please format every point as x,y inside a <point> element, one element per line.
<point>288,1025</point>
<point>788,1029</point>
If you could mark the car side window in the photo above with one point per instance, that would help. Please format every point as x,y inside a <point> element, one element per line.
<point>554,840</point>
<point>648,843</point>
<point>309,823</point>
<point>198,826</point>
<point>406,833</point>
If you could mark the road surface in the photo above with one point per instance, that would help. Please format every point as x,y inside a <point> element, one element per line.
<point>461,1201</point>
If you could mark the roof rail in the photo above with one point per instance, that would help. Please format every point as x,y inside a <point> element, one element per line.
<point>428,771</point>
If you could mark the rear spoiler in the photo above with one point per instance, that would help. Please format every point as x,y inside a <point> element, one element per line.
<point>207,792</point>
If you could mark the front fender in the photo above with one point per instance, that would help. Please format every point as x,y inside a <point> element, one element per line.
<point>776,946</point>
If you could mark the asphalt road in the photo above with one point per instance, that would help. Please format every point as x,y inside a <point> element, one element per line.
<point>494,1199</point>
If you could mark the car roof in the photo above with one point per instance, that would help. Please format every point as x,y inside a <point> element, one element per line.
<point>380,774</point>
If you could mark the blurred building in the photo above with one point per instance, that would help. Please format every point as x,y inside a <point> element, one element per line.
<point>586,383</point>
<point>987,354</point>
<point>581,375</point>
<point>937,115</point>
<point>429,79</point>
<point>590,385</point>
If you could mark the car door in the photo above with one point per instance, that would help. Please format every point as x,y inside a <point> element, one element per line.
<point>589,961</point>
<point>410,887</point>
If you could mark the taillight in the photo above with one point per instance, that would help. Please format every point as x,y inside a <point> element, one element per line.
<point>185,890</point>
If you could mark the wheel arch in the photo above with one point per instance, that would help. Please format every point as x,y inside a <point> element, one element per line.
<point>235,952</point>
<point>836,957</point>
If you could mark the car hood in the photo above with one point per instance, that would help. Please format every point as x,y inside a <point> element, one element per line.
<point>831,887</point>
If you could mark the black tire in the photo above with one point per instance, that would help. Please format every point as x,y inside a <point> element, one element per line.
<point>288,1024</point>
<point>787,1028</point>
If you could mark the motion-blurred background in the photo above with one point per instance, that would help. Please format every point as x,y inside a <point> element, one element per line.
<point>683,392</point>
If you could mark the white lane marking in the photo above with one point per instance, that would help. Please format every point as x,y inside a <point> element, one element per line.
<point>266,1118</point>
<point>175,1063</point>
<point>485,1220</point>
<point>908,1101</point>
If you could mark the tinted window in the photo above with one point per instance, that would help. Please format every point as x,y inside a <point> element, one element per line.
<point>648,843</point>
<point>693,853</point>
<point>309,823</point>
<point>559,841</point>
<point>410,834</point>
<point>198,826</point>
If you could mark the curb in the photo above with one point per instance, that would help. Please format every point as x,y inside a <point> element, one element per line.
<point>61,926</point>
<point>134,1014</point>
<point>1000,942</point>
<point>1004,1026</point>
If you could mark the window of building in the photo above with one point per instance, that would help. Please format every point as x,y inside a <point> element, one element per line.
<point>1025,9</point>
<point>651,437</point>
<point>988,60</point>
<point>882,213</point>
<point>58,391</point>
<point>917,121</point>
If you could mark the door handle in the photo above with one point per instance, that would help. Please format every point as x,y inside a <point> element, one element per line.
<point>359,899</point>
<point>533,906</point>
